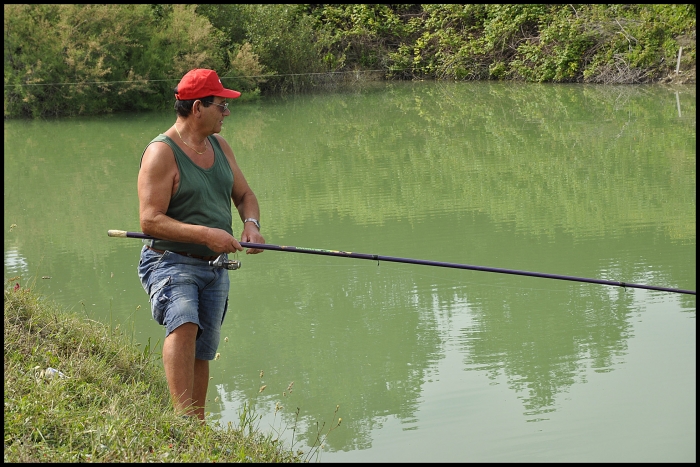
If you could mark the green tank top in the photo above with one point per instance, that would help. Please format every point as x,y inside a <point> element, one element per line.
<point>203,196</point>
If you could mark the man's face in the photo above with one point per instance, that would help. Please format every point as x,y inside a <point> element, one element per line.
<point>217,111</point>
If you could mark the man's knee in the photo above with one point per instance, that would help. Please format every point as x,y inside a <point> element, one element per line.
<point>185,331</point>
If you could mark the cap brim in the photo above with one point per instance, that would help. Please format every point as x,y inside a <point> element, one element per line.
<point>228,93</point>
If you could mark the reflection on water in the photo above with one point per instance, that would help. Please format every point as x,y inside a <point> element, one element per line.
<point>584,159</point>
<point>588,181</point>
<point>545,347</point>
<point>15,264</point>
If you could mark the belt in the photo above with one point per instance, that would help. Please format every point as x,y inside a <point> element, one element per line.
<point>190,255</point>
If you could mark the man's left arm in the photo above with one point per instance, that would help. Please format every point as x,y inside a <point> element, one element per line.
<point>245,201</point>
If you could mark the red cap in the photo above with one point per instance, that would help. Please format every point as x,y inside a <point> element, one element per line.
<point>200,83</point>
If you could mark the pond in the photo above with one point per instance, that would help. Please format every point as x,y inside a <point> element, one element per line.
<point>422,363</point>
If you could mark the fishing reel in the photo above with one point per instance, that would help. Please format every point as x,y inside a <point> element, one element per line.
<point>222,262</point>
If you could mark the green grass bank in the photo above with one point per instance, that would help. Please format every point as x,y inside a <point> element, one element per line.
<point>109,401</point>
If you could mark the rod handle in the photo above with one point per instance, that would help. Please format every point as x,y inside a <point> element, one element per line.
<point>116,233</point>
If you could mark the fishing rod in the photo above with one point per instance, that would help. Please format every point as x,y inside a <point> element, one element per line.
<point>220,262</point>
<point>347,254</point>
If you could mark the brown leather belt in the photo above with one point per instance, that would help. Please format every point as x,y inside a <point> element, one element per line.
<point>190,255</point>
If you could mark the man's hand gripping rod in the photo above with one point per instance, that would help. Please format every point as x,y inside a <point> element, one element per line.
<point>220,262</point>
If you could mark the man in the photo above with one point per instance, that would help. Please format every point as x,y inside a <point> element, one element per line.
<point>187,180</point>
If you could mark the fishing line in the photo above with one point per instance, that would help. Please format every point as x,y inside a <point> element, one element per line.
<point>133,81</point>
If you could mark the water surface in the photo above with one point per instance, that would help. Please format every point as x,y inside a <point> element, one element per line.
<point>425,363</point>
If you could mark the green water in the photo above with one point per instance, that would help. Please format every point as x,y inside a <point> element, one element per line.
<point>426,363</point>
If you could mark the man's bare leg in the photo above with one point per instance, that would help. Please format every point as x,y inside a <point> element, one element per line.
<point>201,383</point>
<point>179,364</point>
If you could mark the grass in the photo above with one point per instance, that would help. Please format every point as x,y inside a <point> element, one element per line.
<point>111,402</point>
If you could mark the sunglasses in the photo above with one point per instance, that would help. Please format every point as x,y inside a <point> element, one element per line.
<point>224,106</point>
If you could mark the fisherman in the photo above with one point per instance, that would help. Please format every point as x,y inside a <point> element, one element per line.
<point>187,179</point>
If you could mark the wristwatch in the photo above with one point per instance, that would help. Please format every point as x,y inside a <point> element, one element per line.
<point>254,221</point>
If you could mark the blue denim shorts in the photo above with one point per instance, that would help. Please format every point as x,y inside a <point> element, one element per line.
<point>186,290</point>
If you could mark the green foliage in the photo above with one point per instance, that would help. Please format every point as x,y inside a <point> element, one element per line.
<point>260,42</point>
<point>550,43</point>
<point>365,36</point>
<point>87,59</point>
<point>246,73</point>
<point>283,37</point>
<point>185,41</point>
<point>70,70</point>
<point>83,59</point>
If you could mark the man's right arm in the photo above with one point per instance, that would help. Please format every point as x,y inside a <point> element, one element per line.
<point>157,179</point>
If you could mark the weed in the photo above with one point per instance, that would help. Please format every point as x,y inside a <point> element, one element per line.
<point>78,391</point>
<point>247,417</point>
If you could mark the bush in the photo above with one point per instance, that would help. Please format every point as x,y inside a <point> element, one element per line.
<point>85,59</point>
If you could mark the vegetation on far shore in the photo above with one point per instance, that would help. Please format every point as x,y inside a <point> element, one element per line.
<point>85,59</point>
<point>80,391</point>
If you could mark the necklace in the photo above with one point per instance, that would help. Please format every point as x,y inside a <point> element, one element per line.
<point>205,142</point>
